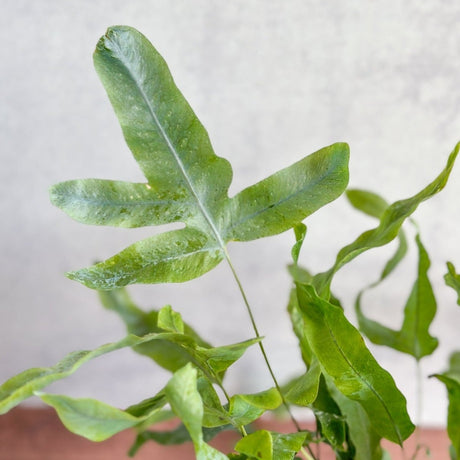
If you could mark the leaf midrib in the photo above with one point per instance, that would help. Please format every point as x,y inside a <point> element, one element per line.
<point>173,151</point>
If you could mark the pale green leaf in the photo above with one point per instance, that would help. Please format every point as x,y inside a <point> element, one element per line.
<point>186,181</point>
<point>92,419</point>
<point>344,357</point>
<point>451,379</point>
<point>220,358</point>
<point>388,229</point>
<point>284,199</point>
<point>170,320</point>
<point>245,408</point>
<point>453,279</point>
<point>184,398</point>
<point>119,204</point>
<point>257,445</point>
<point>170,257</point>
<point>304,390</point>
<point>413,337</point>
<point>165,353</point>
<point>285,446</point>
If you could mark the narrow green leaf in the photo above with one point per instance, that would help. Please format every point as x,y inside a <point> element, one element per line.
<point>165,353</point>
<point>390,223</point>
<point>170,257</point>
<point>344,357</point>
<point>451,379</point>
<point>170,320</point>
<point>185,401</point>
<point>244,409</point>
<point>25,384</point>
<point>413,338</point>
<point>119,204</point>
<point>92,419</point>
<point>284,199</point>
<point>453,279</point>
<point>258,445</point>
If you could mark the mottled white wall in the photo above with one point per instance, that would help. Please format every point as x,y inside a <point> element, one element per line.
<point>272,82</point>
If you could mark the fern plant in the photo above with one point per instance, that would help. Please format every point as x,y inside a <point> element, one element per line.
<point>355,402</point>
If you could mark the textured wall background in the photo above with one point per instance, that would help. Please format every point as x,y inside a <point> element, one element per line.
<point>272,82</point>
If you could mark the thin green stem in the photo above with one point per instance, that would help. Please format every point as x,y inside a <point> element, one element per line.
<point>262,348</point>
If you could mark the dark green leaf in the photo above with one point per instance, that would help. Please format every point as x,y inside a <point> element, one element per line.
<point>451,379</point>
<point>453,279</point>
<point>413,337</point>
<point>366,442</point>
<point>186,181</point>
<point>344,357</point>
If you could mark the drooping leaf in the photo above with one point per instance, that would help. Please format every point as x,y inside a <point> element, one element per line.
<point>184,398</point>
<point>451,379</point>
<point>388,229</point>
<point>453,279</point>
<point>344,358</point>
<point>413,337</point>
<point>212,362</point>
<point>186,181</point>
<point>25,384</point>
<point>165,353</point>
<point>93,419</point>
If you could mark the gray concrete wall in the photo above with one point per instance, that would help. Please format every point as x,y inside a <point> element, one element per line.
<point>272,82</point>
